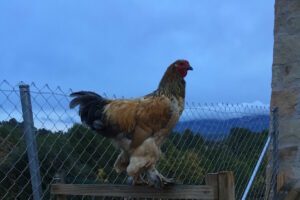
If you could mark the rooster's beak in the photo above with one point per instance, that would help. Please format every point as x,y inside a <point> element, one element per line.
<point>190,68</point>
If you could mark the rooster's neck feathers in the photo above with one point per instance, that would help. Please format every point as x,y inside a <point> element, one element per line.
<point>172,84</point>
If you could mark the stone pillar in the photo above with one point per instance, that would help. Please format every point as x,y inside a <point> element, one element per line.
<point>286,90</point>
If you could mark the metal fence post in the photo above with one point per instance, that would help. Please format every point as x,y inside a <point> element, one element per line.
<point>275,165</point>
<point>31,142</point>
<point>256,168</point>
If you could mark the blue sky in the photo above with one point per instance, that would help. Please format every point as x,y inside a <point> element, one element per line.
<point>123,47</point>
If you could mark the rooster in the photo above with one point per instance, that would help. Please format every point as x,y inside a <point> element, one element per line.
<point>138,126</point>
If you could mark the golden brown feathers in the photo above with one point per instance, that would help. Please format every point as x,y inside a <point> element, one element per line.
<point>149,114</point>
<point>138,126</point>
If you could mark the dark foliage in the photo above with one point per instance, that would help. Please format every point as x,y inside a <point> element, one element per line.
<point>85,157</point>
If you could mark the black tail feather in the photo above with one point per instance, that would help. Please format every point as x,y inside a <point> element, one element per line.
<point>91,107</point>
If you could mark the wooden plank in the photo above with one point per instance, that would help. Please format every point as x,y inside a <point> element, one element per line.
<point>173,192</point>
<point>211,179</point>
<point>61,197</point>
<point>226,186</point>
<point>59,178</point>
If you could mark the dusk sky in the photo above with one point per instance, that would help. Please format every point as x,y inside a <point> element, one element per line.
<point>123,47</point>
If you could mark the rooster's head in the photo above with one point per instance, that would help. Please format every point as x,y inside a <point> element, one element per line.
<point>173,79</point>
<point>181,67</point>
<point>178,69</point>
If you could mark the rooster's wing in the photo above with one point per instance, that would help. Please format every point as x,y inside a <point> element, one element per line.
<point>134,118</point>
<point>140,118</point>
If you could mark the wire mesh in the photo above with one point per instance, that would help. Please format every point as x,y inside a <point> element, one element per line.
<point>208,138</point>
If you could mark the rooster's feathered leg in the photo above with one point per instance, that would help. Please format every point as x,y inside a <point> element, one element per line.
<point>122,162</point>
<point>157,180</point>
<point>136,180</point>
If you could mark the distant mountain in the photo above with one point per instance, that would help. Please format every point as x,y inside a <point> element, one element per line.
<point>212,128</point>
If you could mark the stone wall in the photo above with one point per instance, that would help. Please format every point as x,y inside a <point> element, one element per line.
<point>286,89</point>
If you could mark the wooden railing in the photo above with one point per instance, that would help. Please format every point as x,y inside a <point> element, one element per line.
<point>219,186</point>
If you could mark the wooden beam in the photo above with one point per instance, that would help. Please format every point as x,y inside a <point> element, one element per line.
<point>226,186</point>
<point>212,180</point>
<point>59,178</point>
<point>172,192</point>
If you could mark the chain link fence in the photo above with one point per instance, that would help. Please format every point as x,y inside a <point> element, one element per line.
<point>208,138</point>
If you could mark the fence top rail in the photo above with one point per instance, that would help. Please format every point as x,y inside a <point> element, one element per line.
<point>60,91</point>
<point>172,192</point>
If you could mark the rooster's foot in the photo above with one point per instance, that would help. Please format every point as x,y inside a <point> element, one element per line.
<point>158,180</point>
<point>136,181</point>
